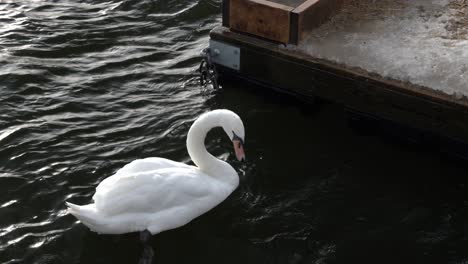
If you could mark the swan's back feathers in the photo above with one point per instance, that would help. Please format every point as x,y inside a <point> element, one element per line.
<point>139,166</point>
<point>156,190</point>
<point>149,164</point>
<point>156,200</point>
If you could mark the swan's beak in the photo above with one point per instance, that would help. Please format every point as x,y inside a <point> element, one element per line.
<point>239,149</point>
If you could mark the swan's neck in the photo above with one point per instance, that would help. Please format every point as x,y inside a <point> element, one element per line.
<point>201,157</point>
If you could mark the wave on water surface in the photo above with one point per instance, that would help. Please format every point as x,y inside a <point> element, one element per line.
<point>87,86</point>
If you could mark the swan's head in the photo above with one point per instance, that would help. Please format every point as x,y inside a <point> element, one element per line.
<point>234,128</point>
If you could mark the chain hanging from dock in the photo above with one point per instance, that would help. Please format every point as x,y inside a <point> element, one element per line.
<point>208,73</point>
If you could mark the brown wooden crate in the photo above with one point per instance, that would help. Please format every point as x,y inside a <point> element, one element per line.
<point>261,18</point>
<point>313,13</point>
<point>285,21</point>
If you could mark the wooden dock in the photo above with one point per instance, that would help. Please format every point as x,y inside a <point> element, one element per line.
<point>264,61</point>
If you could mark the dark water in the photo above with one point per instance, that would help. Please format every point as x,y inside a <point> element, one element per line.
<point>88,86</point>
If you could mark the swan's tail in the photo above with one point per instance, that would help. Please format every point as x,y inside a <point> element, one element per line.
<point>87,214</point>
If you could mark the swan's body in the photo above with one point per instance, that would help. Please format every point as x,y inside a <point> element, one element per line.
<point>157,194</point>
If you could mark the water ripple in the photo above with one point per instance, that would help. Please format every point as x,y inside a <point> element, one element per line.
<point>87,86</point>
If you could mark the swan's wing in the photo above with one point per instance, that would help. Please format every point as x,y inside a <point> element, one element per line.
<point>154,191</point>
<point>139,167</point>
<point>149,164</point>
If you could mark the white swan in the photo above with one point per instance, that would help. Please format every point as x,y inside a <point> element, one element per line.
<point>156,194</point>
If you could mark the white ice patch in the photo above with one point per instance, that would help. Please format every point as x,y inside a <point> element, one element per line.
<point>424,42</point>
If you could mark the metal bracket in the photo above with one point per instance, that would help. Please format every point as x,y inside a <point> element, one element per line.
<point>225,54</point>
<point>217,53</point>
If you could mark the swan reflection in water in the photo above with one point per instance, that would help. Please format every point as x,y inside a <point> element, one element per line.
<point>152,195</point>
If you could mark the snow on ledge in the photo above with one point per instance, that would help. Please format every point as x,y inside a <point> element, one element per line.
<point>424,42</point>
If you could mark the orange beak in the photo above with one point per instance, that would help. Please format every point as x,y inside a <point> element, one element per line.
<point>239,150</point>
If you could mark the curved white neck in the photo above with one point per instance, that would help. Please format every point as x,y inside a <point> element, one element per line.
<point>201,157</point>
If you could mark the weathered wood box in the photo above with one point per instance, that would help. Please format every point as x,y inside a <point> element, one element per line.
<point>284,21</point>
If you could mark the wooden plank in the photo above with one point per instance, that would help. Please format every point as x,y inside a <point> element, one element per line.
<point>225,13</point>
<point>260,18</point>
<point>293,30</point>
<point>305,76</point>
<point>291,3</point>
<point>313,13</point>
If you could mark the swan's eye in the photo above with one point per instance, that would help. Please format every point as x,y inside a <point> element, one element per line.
<point>236,137</point>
